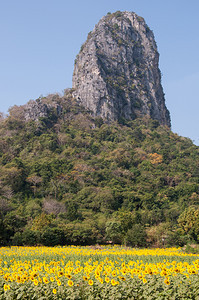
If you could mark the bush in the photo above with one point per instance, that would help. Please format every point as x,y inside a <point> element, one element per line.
<point>136,236</point>
<point>17,239</point>
<point>176,238</point>
<point>83,234</point>
<point>29,238</point>
<point>53,236</point>
<point>114,231</point>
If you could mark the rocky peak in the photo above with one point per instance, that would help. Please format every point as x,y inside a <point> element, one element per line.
<point>116,73</point>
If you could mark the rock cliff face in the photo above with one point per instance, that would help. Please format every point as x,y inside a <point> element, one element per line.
<point>41,108</point>
<point>116,73</point>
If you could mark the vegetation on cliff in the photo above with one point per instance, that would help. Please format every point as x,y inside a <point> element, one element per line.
<point>73,179</point>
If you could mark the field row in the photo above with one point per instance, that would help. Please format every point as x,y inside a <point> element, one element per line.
<point>78,273</point>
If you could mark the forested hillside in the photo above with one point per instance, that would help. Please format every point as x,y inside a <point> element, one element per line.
<point>69,178</point>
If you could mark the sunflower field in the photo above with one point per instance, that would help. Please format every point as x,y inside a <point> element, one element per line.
<point>101,272</point>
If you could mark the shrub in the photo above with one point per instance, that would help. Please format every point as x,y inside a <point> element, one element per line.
<point>53,236</point>
<point>136,236</point>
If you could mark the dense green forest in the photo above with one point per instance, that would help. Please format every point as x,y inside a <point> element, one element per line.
<point>74,179</point>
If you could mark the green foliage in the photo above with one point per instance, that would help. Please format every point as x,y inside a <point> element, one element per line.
<point>114,231</point>
<point>29,237</point>
<point>53,236</point>
<point>73,168</point>
<point>189,222</point>
<point>136,236</point>
<point>72,211</point>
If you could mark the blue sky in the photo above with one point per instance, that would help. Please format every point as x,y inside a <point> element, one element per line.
<point>40,40</point>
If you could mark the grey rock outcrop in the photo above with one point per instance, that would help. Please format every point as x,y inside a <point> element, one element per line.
<point>41,108</point>
<point>116,73</point>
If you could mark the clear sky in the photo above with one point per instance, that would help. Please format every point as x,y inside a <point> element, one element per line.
<point>41,38</point>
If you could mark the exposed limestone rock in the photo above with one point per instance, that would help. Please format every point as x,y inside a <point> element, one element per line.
<point>116,73</point>
<point>41,108</point>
